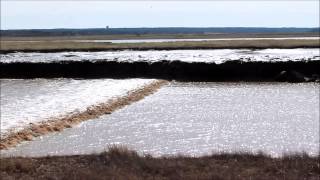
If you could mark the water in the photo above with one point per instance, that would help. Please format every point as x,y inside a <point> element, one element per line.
<point>117,41</point>
<point>208,56</point>
<point>34,100</point>
<point>198,119</point>
<point>188,40</point>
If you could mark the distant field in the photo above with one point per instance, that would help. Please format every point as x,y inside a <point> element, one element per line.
<point>54,45</point>
<point>65,43</point>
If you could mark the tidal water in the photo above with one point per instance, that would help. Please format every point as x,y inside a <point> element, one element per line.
<point>208,56</point>
<point>188,40</point>
<point>25,101</point>
<point>198,119</point>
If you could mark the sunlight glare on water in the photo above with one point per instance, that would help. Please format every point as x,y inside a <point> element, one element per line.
<point>25,101</point>
<point>208,56</point>
<point>198,119</point>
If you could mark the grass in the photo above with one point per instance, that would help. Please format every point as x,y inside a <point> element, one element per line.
<point>47,44</point>
<point>121,163</point>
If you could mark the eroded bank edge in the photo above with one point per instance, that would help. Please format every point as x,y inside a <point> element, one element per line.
<point>236,70</point>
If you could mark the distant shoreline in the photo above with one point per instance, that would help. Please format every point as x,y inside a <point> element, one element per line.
<point>60,45</point>
<point>157,30</point>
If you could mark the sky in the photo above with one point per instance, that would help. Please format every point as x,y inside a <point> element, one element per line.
<point>26,14</point>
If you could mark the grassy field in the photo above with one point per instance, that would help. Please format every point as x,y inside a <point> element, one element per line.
<point>66,43</point>
<point>91,46</point>
<point>121,163</point>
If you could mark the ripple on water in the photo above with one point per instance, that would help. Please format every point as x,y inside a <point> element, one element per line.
<point>197,119</point>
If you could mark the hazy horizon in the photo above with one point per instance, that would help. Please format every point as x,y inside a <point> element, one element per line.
<point>160,27</point>
<point>152,14</point>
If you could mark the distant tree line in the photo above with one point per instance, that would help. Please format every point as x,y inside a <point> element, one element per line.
<point>141,31</point>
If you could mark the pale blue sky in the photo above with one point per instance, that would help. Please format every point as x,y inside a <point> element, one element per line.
<point>97,14</point>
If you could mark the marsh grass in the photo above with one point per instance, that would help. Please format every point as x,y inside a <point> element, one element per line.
<point>57,46</point>
<point>122,163</point>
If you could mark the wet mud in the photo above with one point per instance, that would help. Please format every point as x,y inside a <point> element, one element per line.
<point>236,70</point>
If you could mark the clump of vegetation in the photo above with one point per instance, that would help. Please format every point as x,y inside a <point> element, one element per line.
<point>121,163</point>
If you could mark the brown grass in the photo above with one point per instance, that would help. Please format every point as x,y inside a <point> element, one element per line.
<point>121,163</point>
<point>58,124</point>
<point>55,46</point>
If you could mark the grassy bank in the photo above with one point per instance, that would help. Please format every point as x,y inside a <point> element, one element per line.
<point>120,163</point>
<point>56,46</point>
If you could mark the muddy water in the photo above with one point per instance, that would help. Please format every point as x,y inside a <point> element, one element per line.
<point>208,56</point>
<point>197,119</point>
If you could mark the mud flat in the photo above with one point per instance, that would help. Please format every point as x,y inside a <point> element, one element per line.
<point>199,119</point>
<point>299,65</point>
<point>292,71</point>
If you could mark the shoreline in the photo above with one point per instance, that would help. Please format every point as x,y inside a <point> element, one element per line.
<point>58,124</point>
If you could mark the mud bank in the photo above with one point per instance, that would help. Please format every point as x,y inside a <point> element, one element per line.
<point>291,71</point>
<point>59,124</point>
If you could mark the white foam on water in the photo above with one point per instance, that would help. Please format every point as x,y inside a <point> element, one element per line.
<point>208,56</point>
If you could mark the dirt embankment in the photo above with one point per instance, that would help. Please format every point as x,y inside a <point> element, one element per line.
<point>291,71</point>
<point>121,163</point>
<point>58,124</point>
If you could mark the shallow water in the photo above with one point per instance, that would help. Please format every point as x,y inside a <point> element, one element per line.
<point>209,56</point>
<point>172,40</point>
<point>197,119</point>
<point>182,40</point>
<point>25,101</point>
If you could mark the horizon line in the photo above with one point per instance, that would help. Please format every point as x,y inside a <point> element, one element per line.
<point>70,28</point>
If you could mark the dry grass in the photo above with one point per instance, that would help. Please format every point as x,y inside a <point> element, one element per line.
<point>54,46</point>
<point>121,163</point>
<point>59,124</point>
